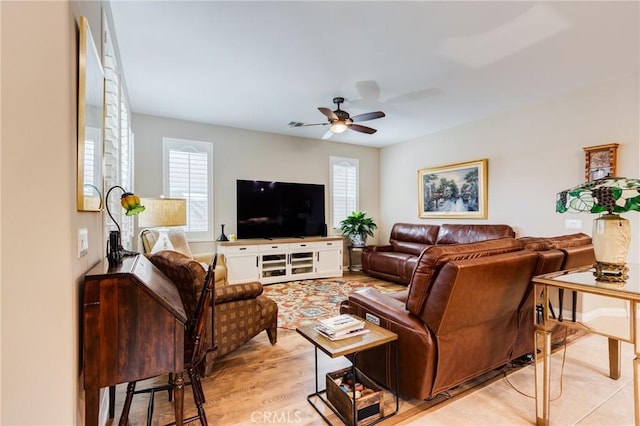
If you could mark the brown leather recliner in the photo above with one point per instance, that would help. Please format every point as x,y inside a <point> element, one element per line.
<point>397,260</point>
<point>459,318</point>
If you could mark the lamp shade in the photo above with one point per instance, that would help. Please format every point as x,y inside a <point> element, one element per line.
<point>611,233</point>
<point>163,212</point>
<point>609,194</point>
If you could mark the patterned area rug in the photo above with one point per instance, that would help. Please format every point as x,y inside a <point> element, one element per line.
<point>307,301</point>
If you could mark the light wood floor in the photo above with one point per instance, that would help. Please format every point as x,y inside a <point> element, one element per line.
<point>263,384</point>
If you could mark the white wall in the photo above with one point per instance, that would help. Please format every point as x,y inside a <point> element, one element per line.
<point>245,154</point>
<point>533,153</point>
<point>40,274</point>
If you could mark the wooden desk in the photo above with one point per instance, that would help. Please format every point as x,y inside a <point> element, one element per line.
<point>133,329</point>
<point>610,310</point>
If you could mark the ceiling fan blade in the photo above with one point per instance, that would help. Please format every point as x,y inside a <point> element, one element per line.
<point>368,116</point>
<point>330,114</point>
<point>327,135</point>
<point>299,124</point>
<point>362,129</point>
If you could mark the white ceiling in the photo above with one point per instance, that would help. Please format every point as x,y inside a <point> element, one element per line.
<point>428,65</point>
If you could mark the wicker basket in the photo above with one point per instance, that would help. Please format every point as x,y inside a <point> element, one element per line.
<point>369,408</point>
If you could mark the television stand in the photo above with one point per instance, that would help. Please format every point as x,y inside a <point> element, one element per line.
<point>282,259</point>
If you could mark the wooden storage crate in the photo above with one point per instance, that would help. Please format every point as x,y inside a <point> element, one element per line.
<point>369,408</point>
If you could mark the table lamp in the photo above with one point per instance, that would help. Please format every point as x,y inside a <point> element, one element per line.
<point>131,203</point>
<point>611,233</point>
<point>162,213</point>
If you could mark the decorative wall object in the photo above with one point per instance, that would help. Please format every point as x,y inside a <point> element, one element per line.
<point>453,191</point>
<point>90,122</point>
<point>600,161</point>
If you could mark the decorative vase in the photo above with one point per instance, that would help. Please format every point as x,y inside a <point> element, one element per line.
<point>222,237</point>
<point>357,240</point>
<point>611,239</point>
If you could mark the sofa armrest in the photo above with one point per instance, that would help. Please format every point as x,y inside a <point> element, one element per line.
<point>230,293</point>
<point>384,305</point>
<point>204,257</point>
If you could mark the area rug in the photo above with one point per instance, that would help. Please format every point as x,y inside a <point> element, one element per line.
<point>307,301</point>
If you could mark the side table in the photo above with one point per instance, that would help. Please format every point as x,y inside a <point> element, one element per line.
<point>597,317</point>
<point>352,249</point>
<point>376,336</point>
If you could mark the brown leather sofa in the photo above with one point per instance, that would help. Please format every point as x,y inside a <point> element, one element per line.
<point>554,254</point>
<point>397,260</point>
<point>468,309</point>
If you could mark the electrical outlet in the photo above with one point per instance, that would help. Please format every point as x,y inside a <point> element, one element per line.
<point>83,242</point>
<point>573,224</point>
<point>372,318</point>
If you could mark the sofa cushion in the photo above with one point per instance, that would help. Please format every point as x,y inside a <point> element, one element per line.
<point>571,240</point>
<point>460,233</point>
<point>536,243</point>
<point>434,257</point>
<point>392,263</point>
<point>412,238</point>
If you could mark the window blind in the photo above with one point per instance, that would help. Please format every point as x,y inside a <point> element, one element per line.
<point>188,171</point>
<point>118,145</point>
<point>344,188</point>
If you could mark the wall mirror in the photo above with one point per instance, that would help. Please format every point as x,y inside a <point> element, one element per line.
<point>90,122</point>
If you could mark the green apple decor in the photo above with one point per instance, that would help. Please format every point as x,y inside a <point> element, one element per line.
<point>357,226</point>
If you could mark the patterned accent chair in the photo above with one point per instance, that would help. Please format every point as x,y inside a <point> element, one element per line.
<point>241,310</point>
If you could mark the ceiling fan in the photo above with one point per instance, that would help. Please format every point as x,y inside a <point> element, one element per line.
<point>340,121</point>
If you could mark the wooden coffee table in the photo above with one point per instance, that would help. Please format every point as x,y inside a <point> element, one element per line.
<point>376,336</point>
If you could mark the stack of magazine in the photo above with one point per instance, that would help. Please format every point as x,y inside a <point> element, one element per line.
<point>341,327</point>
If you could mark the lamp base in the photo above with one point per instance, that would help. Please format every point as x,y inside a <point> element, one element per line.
<point>163,243</point>
<point>611,272</point>
<point>115,252</point>
<point>113,249</point>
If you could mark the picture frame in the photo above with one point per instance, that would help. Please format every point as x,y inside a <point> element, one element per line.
<point>453,191</point>
<point>600,161</point>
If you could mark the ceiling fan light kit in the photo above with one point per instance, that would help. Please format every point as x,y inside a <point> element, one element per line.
<point>340,120</point>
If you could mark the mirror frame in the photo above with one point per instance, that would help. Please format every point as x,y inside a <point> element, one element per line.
<point>90,122</point>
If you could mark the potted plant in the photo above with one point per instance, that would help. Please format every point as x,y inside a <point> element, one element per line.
<point>358,226</point>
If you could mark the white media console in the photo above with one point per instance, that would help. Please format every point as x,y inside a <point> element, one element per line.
<point>282,259</point>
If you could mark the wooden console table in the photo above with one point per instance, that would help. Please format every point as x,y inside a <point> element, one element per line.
<point>133,329</point>
<point>596,315</point>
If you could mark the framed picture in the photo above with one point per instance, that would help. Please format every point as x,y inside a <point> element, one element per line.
<point>453,191</point>
<point>600,161</point>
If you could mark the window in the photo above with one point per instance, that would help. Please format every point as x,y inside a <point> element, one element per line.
<point>344,188</point>
<point>187,171</point>
<point>118,144</point>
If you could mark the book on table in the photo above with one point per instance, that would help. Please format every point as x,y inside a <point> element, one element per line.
<point>340,327</point>
<point>341,322</point>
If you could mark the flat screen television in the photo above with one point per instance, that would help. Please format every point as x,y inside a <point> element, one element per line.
<point>279,209</point>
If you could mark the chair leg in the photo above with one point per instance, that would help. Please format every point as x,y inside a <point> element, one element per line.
<point>124,417</point>
<point>170,390</point>
<point>272,332</point>
<point>198,394</point>
<point>112,401</point>
<point>152,395</point>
